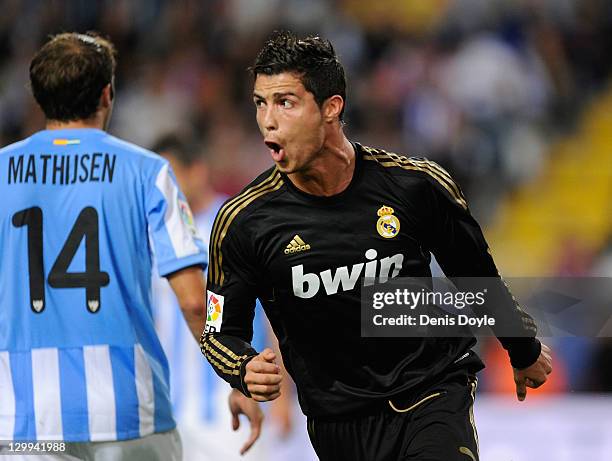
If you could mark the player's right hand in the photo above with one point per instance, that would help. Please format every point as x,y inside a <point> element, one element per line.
<point>263,376</point>
<point>241,405</point>
<point>535,375</point>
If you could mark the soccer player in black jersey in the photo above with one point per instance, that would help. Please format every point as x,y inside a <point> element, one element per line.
<point>300,238</point>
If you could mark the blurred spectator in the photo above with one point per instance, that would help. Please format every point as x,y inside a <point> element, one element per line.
<point>478,86</point>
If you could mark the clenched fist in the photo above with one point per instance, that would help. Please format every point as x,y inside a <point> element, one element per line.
<point>263,377</point>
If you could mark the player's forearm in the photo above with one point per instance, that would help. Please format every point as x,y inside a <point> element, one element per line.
<point>189,288</point>
<point>195,321</point>
<point>228,355</point>
<point>515,329</point>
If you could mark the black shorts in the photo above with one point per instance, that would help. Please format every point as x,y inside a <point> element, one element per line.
<point>435,426</point>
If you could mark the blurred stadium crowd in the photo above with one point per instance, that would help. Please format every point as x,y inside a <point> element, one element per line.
<point>484,87</point>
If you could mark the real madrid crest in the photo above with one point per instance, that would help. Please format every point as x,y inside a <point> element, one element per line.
<point>388,225</point>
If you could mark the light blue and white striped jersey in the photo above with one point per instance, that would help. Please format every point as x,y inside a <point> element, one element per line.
<point>79,356</point>
<point>195,387</point>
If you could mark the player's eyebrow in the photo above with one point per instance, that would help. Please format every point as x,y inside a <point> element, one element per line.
<point>283,94</point>
<point>276,95</point>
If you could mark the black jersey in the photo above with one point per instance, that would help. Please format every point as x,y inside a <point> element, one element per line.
<point>304,257</point>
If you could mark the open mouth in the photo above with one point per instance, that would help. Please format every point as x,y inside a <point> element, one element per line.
<point>274,146</point>
<point>276,151</point>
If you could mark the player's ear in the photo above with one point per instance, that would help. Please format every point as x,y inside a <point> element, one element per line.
<point>106,98</point>
<point>332,108</point>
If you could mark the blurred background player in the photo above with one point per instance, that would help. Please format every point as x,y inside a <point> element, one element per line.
<point>199,396</point>
<point>199,402</point>
<point>79,358</point>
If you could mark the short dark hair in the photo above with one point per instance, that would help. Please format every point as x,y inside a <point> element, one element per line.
<point>313,59</point>
<point>68,74</point>
<point>186,152</point>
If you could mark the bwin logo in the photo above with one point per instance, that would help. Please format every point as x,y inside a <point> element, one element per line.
<point>306,285</point>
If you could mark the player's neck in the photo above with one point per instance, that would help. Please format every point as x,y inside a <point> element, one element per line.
<point>332,171</point>
<point>93,122</point>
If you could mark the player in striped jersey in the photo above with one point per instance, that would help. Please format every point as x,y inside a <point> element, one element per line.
<point>302,236</point>
<point>80,361</point>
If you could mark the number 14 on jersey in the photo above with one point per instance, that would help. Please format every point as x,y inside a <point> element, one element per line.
<point>85,227</point>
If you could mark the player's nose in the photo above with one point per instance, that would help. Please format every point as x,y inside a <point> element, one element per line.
<point>269,120</point>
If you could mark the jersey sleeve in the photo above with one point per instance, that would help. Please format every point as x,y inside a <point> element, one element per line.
<point>457,242</point>
<point>231,298</point>
<point>176,243</point>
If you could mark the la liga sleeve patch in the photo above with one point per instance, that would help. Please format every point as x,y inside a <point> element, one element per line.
<point>214,311</point>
